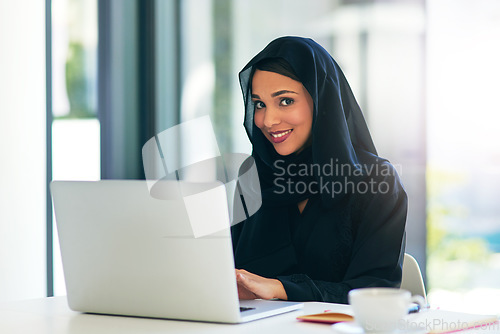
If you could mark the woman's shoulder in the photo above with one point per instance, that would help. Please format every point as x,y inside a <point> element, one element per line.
<point>382,174</point>
<point>378,189</point>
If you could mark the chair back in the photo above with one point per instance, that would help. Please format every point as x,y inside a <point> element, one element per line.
<point>412,277</point>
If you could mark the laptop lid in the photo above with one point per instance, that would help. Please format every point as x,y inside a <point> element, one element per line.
<point>125,252</point>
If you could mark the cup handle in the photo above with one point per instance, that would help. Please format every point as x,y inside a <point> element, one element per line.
<point>420,301</point>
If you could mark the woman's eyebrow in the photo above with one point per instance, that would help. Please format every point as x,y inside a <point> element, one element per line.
<point>280,92</point>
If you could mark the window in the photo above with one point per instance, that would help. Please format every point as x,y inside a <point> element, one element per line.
<point>75,127</point>
<point>463,154</point>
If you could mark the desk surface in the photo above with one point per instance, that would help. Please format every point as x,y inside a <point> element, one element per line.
<point>52,316</point>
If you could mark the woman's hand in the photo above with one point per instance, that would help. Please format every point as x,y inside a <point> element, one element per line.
<point>251,286</point>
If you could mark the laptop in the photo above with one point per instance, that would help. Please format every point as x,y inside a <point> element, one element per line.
<point>125,252</point>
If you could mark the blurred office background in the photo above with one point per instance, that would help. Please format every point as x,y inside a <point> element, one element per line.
<point>85,83</point>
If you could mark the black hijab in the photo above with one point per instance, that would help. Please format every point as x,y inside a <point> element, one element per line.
<point>345,239</point>
<point>340,137</point>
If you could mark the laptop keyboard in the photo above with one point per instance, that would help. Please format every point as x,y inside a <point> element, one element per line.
<point>243,309</point>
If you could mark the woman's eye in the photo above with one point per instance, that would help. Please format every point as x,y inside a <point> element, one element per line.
<point>286,102</point>
<point>259,105</point>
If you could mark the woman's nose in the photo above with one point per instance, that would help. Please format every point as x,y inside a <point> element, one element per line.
<point>271,117</point>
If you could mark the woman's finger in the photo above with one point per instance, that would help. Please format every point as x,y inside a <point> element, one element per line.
<point>243,291</point>
<point>259,286</point>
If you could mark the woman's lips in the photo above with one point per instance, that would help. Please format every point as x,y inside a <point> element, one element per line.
<point>280,136</point>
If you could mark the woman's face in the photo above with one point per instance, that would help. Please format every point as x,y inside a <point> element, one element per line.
<point>283,111</point>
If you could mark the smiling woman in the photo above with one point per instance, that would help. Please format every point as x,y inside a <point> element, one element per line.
<point>326,232</point>
<point>283,111</point>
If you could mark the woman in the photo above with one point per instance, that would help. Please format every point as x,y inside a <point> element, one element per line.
<point>333,213</point>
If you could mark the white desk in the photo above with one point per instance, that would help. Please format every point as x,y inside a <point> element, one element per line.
<point>52,316</point>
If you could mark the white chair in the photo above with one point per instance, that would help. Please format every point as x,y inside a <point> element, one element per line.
<point>412,277</point>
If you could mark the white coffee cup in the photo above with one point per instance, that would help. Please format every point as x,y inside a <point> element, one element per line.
<point>380,310</point>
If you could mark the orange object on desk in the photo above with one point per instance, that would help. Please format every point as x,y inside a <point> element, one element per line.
<point>326,317</point>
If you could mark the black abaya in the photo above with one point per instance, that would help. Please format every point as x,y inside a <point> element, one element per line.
<point>351,232</point>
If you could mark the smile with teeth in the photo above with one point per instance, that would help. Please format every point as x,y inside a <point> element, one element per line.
<point>281,134</point>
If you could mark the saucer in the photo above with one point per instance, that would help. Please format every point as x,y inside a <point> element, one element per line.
<point>349,327</point>
<point>352,327</point>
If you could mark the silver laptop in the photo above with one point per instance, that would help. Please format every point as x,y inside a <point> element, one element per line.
<point>125,252</point>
